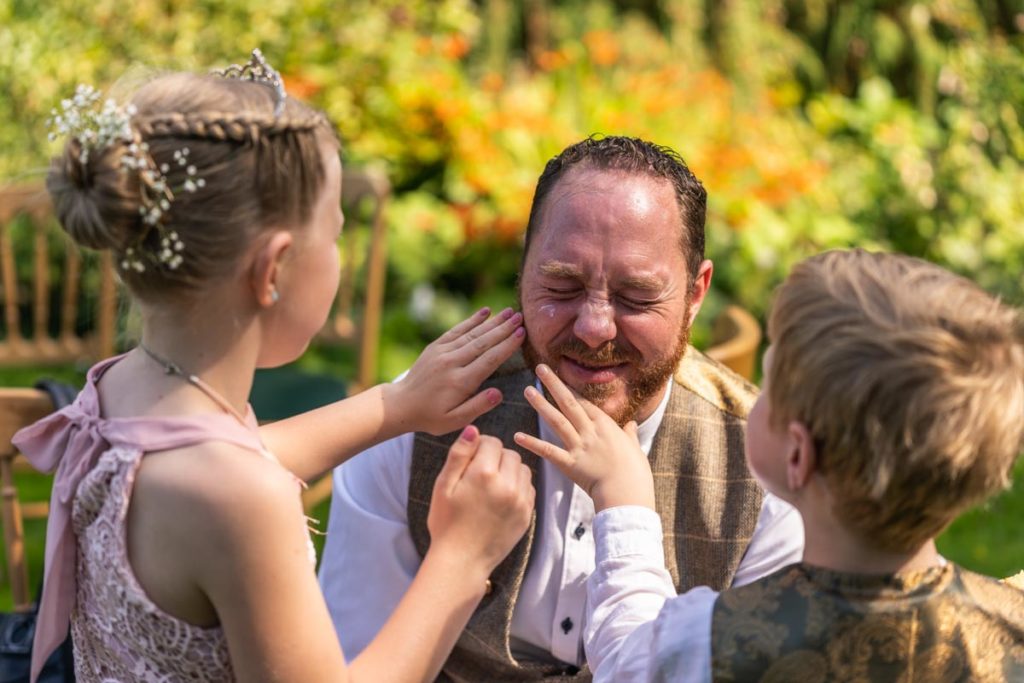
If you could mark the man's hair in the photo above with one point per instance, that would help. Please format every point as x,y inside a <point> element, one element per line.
<point>910,380</point>
<point>631,156</point>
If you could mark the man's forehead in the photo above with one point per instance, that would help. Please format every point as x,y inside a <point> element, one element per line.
<point>582,183</point>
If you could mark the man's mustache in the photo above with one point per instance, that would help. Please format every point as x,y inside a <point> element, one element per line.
<point>608,353</point>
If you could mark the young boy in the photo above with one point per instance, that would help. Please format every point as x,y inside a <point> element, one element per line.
<point>893,399</point>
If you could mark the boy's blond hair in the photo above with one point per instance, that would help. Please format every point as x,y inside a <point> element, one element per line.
<point>911,381</point>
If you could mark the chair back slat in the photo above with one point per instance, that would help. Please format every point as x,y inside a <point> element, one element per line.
<point>10,282</point>
<point>18,408</point>
<point>364,198</point>
<point>69,303</point>
<point>51,341</point>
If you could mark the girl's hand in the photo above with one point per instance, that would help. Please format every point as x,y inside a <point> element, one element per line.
<point>482,502</point>
<point>599,456</point>
<point>438,395</point>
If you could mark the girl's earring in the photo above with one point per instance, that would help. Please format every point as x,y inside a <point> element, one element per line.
<point>274,296</point>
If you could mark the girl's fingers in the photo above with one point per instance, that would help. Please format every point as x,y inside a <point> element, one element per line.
<point>558,422</point>
<point>478,341</point>
<point>465,326</point>
<point>474,407</point>
<point>566,400</point>
<point>559,457</point>
<point>472,334</point>
<point>459,456</point>
<point>502,347</point>
<point>488,456</point>
<point>511,461</point>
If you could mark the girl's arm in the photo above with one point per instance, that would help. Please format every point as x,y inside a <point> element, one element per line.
<point>437,395</point>
<point>257,575</point>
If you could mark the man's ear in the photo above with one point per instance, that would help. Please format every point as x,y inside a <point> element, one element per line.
<point>699,288</point>
<point>265,275</point>
<point>802,459</point>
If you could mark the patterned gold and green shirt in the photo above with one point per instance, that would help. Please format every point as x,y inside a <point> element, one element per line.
<point>799,624</point>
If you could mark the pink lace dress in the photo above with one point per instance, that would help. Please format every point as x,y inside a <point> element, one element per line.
<point>119,634</point>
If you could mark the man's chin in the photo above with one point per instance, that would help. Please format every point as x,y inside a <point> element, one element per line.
<point>610,398</point>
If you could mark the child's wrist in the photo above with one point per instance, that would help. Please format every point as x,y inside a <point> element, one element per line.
<point>399,417</point>
<point>610,495</point>
<point>472,568</point>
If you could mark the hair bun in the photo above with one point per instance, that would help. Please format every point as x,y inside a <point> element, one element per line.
<point>92,200</point>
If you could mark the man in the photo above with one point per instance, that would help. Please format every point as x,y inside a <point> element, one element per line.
<point>613,275</point>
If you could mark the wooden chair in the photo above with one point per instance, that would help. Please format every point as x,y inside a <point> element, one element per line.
<point>735,336</point>
<point>18,408</point>
<point>364,197</point>
<point>33,333</point>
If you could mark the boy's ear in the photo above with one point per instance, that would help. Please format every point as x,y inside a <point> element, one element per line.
<point>802,459</point>
<point>265,276</point>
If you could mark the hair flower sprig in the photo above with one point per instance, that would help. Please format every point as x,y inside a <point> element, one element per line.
<point>95,127</point>
<point>99,127</point>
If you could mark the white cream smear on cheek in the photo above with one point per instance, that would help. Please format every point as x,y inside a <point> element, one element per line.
<point>548,310</point>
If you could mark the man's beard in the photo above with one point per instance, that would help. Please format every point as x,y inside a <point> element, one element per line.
<point>648,378</point>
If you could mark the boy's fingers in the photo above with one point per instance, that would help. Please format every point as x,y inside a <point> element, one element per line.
<point>459,456</point>
<point>558,457</point>
<point>563,396</point>
<point>465,326</point>
<point>558,422</point>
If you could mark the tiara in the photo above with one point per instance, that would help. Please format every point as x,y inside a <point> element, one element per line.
<point>257,69</point>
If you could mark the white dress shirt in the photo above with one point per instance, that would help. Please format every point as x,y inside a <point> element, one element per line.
<point>369,559</point>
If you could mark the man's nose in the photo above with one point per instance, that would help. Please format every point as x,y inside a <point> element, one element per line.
<point>595,322</point>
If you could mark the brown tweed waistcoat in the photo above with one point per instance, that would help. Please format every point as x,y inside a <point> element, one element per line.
<point>707,499</point>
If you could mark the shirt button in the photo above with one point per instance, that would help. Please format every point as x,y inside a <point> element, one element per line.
<point>579,531</point>
<point>566,625</point>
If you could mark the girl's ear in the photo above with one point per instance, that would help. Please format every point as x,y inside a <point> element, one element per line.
<point>265,275</point>
<point>802,459</point>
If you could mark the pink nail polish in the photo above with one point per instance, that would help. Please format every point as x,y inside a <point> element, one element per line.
<point>468,434</point>
<point>520,332</point>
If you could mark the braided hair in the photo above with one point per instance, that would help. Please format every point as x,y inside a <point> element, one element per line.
<point>259,171</point>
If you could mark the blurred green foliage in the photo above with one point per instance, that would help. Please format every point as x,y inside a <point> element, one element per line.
<point>813,123</point>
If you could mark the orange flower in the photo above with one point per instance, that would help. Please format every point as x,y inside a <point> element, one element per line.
<point>492,82</point>
<point>455,46</point>
<point>602,46</point>
<point>301,87</point>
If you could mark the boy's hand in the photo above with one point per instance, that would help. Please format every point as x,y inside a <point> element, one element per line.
<point>599,456</point>
<point>482,502</point>
<point>438,395</point>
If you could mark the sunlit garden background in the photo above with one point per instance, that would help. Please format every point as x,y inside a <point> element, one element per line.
<point>813,123</point>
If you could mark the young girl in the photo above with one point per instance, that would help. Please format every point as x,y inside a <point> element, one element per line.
<point>177,546</point>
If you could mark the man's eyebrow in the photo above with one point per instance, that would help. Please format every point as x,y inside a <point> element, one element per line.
<point>648,282</point>
<point>560,269</point>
